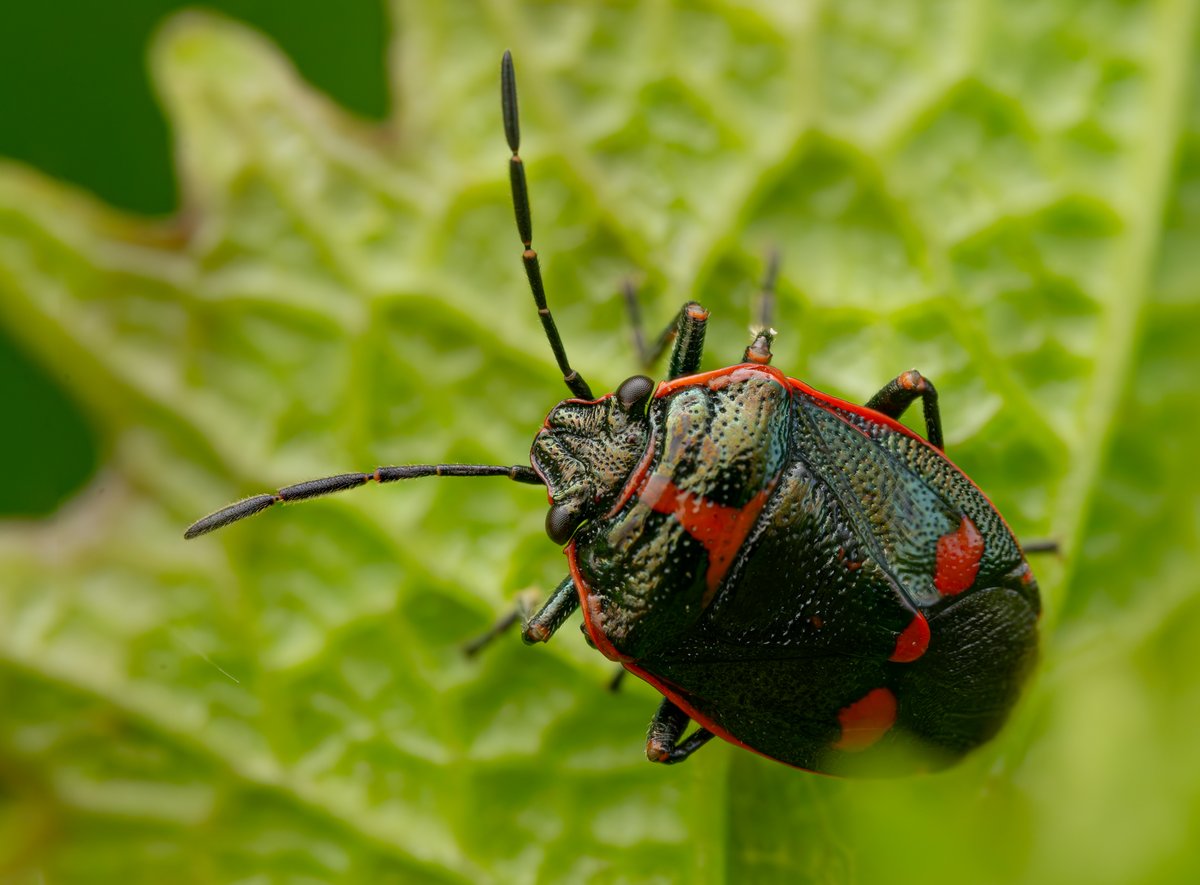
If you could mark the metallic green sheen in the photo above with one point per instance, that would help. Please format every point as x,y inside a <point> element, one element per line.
<point>646,573</point>
<point>839,561</point>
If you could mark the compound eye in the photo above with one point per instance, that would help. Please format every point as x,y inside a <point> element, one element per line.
<point>634,393</point>
<point>561,522</point>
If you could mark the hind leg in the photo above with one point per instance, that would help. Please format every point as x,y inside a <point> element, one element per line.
<point>665,742</point>
<point>899,393</point>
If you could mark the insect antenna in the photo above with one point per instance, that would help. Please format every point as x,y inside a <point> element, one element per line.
<point>520,196</point>
<point>314,488</point>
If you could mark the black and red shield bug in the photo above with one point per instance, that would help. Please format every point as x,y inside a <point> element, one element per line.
<point>802,576</point>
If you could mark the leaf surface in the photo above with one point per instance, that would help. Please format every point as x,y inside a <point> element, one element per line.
<point>1004,197</point>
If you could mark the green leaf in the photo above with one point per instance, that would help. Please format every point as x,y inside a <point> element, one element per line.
<point>1005,196</point>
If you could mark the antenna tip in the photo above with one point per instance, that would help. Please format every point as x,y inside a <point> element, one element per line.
<point>232,513</point>
<point>508,102</point>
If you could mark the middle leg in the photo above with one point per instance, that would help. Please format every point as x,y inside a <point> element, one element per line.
<point>898,394</point>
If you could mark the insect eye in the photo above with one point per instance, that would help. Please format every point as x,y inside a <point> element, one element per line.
<point>634,393</point>
<point>561,522</point>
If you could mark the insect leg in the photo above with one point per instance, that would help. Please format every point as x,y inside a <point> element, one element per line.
<point>645,354</point>
<point>898,394</point>
<point>689,341</point>
<point>546,621</point>
<point>759,350</point>
<point>686,330</point>
<point>1042,545</point>
<point>663,742</point>
<point>519,612</point>
<point>538,628</point>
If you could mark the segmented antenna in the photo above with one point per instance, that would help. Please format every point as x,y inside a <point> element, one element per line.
<point>314,488</point>
<point>520,197</point>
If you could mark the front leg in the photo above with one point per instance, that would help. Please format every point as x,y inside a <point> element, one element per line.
<point>538,628</point>
<point>898,394</point>
<point>663,742</point>
<point>546,621</point>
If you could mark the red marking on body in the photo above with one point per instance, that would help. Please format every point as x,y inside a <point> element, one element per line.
<point>850,564</point>
<point>912,641</point>
<point>731,374</point>
<point>832,403</point>
<point>696,312</point>
<point>958,556</point>
<point>721,529</point>
<point>591,610</point>
<point>866,720</point>
<point>720,382</point>
<point>719,378</point>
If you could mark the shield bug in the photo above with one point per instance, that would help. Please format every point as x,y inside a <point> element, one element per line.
<point>800,575</point>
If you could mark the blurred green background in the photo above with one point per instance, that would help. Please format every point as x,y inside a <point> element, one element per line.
<point>245,247</point>
<point>78,104</point>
